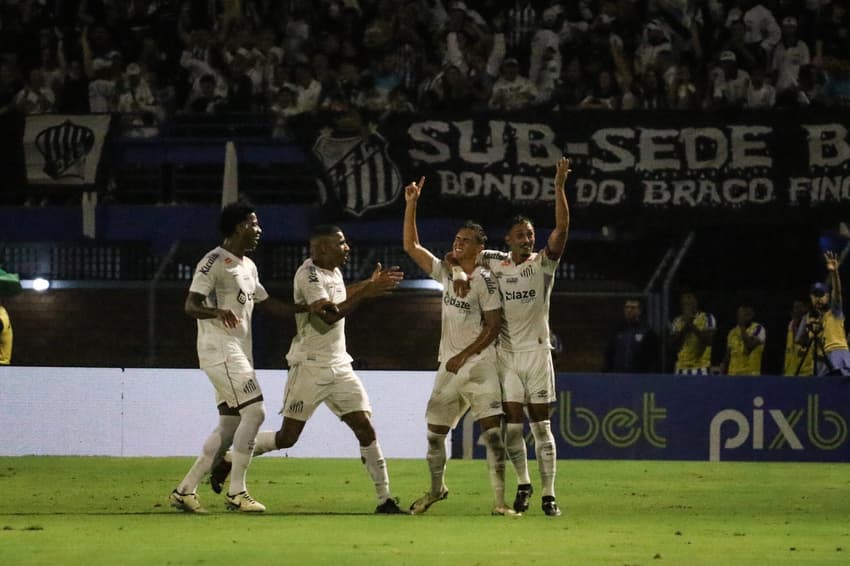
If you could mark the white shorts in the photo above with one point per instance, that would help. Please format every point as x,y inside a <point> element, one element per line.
<point>475,387</point>
<point>338,387</point>
<point>527,377</point>
<point>235,382</point>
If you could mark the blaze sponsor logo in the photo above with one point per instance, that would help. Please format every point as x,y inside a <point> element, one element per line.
<point>526,296</point>
<point>450,301</point>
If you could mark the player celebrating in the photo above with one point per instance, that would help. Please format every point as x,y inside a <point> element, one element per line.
<point>222,295</point>
<point>320,367</point>
<point>467,376</point>
<point>525,360</point>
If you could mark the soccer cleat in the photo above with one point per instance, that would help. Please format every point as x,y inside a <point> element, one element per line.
<point>219,474</point>
<point>187,502</point>
<point>523,495</point>
<point>504,511</point>
<point>244,503</point>
<point>550,507</point>
<point>424,503</point>
<point>390,507</point>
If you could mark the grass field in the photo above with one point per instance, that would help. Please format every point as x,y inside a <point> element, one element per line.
<point>63,510</point>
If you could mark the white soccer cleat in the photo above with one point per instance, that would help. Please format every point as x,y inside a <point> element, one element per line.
<point>244,503</point>
<point>424,503</point>
<point>504,511</point>
<point>187,502</point>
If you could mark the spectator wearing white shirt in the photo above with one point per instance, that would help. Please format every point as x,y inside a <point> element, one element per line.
<point>760,93</point>
<point>790,54</point>
<point>730,83</point>
<point>512,91</point>
<point>36,97</point>
<point>761,28</point>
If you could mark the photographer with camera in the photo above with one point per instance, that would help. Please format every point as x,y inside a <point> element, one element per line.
<point>824,325</point>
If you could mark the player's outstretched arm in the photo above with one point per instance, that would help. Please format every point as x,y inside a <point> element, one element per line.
<point>283,309</point>
<point>418,253</point>
<point>558,237</point>
<point>382,281</point>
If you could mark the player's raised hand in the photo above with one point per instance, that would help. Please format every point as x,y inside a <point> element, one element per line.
<point>413,190</point>
<point>384,280</point>
<point>562,171</point>
<point>831,261</point>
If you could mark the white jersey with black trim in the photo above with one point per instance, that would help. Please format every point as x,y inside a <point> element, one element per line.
<point>462,317</point>
<point>526,291</point>
<point>227,282</point>
<point>317,343</point>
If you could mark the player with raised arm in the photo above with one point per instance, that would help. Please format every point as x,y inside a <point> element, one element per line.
<point>525,361</point>
<point>319,365</point>
<point>467,376</point>
<point>221,297</point>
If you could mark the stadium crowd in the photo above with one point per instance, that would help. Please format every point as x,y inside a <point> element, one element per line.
<point>151,60</point>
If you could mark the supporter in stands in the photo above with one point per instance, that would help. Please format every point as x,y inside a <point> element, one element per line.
<point>6,337</point>
<point>512,91</point>
<point>731,83</point>
<point>633,345</point>
<point>36,97</point>
<point>691,336</point>
<point>744,345</point>
<point>789,55</point>
<point>760,93</point>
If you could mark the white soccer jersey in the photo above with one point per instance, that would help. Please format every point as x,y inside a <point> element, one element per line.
<point>316,343</point>
<point>227,282</point>
<point>526,290</point>
<point>462,317</point>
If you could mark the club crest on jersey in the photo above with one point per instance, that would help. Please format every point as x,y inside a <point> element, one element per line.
<point>358,170</point>
<point>527,272</point>
<point>208,265</point>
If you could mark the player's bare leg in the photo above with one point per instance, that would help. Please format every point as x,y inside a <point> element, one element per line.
<point>436,458</point>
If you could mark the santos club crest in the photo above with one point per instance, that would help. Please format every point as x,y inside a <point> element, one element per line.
<point>358,170</point>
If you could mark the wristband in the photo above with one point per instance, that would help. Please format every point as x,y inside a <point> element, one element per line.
<point>458,274</point>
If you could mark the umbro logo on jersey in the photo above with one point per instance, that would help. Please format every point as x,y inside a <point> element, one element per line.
<point>250,387</point>
<point>296,407</point>
<point>511,279</point>
<point>208,265</point>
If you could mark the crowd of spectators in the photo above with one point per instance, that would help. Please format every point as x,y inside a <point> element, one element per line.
<point>150,60</point>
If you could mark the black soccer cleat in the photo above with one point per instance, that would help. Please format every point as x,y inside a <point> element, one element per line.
<point>550,508</point>
<point>390,507</point>
<point>218,475</point>
<point>523,495</point>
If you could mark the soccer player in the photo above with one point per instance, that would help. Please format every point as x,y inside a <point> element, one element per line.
<point>320,367</point>
<point>221,297</point>
<point>524,350</point>
<point>467,376</point>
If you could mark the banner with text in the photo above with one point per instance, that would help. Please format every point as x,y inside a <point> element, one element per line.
<point>715,418</point>
<point>680,167</point>
<point>64,149</point>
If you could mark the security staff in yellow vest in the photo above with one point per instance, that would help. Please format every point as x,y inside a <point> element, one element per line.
<point>744,345</point>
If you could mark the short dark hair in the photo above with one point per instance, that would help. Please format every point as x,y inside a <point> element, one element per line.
<point>519,219</point>
<point>478,229</point>
<point>322,230</point>
<point>232,215</point>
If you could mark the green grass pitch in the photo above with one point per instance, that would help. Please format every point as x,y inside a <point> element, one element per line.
<point>71,510</point>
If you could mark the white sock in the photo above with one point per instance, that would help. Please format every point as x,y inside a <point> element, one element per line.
<point>243,445</point>
<point>265,442</point>
<point>436,458</point>
<point>203,464</point>
<point>544,446</point>
<point>376,466</point>
<point>492,440</point>
<point>517,453</point>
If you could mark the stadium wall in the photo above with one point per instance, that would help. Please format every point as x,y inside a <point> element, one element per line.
<point>169,412</point>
